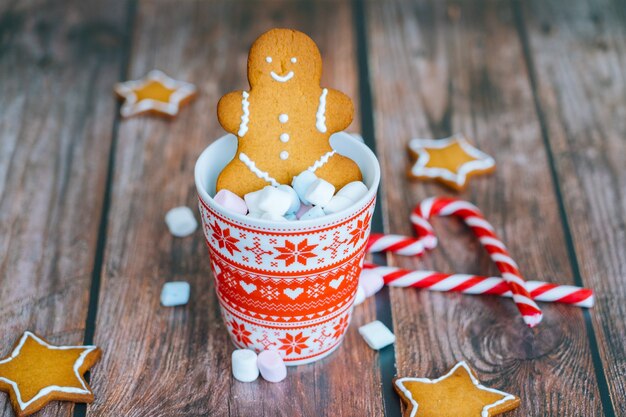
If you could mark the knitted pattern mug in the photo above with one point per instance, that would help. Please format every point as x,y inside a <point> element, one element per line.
<point>286,286</point>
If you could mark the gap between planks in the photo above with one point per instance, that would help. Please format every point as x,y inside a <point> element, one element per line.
<point>80,409</point>
<point>387,357</point>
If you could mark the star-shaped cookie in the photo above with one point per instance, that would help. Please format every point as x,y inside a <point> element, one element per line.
<point>37,372</point>
<point>456,394</point>
<point>156,93</point>
<point>451,161</point>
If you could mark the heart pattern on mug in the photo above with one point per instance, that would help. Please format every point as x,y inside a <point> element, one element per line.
<point>335,283</point>
<point>249,288</point>
<point>293,294</point>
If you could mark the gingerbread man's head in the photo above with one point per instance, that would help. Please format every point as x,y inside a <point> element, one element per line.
<point>284,56</point>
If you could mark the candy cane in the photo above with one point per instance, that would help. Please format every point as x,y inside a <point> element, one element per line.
<point>474,284</point>
<point>442,206</point>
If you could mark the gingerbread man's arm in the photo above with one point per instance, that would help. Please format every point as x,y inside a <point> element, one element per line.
<point>339,111</point>
<point>230,110</point>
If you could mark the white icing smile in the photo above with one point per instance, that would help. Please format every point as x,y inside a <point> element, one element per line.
<point>282,78</point>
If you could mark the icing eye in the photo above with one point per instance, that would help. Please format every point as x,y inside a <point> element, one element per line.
<point>294,60</point>
<point>268,59</point>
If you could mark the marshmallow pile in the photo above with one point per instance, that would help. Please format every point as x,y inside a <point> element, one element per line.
<point>308,197</point>
<point>246,365</point>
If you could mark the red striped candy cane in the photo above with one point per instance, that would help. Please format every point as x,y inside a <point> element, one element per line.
<point>471,215</point>
<point>474,284</point>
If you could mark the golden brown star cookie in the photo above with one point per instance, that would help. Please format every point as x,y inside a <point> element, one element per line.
<point>37,372</point>
<point>451,161</point>
<point>456,394</point>
<point>156,93</point>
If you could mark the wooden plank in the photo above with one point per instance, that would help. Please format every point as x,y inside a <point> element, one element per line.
<point>579,58</point>
<point>58,62</point>
<point>436,69</point>
<point>164,361</point>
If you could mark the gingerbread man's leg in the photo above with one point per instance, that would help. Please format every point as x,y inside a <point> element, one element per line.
<point>239,178</point>
<point>339,171</point>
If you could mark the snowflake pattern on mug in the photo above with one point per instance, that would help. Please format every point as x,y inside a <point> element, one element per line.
<point>361,230</point>
<point>340,328</point>
<point>224,239</point>
<point>300,253</point>
<point>240,333</point>
<point>293,343</point>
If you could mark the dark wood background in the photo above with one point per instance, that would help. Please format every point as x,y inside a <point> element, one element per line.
<point>84,251</point>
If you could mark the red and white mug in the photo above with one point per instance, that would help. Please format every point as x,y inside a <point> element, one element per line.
<point>286,286</point>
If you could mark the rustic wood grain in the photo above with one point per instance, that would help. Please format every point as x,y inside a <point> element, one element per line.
<point>438,68</point>
<point>176,361</point>
<point>58,61</point>
<point>579,55</point>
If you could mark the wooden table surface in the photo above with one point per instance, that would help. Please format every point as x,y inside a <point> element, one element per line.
<point>84,251</point>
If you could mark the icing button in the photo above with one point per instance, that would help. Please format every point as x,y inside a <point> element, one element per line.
<point>283,118</point>
<point>284,155</point>
<point>284,137</point>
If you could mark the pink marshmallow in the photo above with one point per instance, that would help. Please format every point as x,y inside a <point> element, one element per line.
<point>271,365</point>
<point>303,209</point>
<point>371,282</point>
<point>231,201</point>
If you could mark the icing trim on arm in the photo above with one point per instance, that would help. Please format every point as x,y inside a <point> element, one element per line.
<point>252,167</point>
<point>245,117</point>
<point>320,117</point>
<point>322,161</point>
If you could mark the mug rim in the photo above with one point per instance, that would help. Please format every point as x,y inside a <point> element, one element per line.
<point>201,167</point>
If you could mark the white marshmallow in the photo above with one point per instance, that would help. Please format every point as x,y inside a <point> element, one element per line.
<point>371,282</point>
<point>301,182</point>
<point>377,335</point>
<point>231,201</point>
<point>273,200</point>
<point>320,192</point>
<point>175,293</point>
<point>360,296</point>
<point>252,201</point>
<point>256,214</point>
<point>291,216</point>
<point>337,203</point>
<point>272,366</point>
<point>181,221</point>
<point>244,365</point>
<point>313,213</point>
<point>354,190</point>
<point>273,217</point>
<point>295,200</point>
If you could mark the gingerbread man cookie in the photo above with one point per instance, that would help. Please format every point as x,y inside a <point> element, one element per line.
<point>284,122</point>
